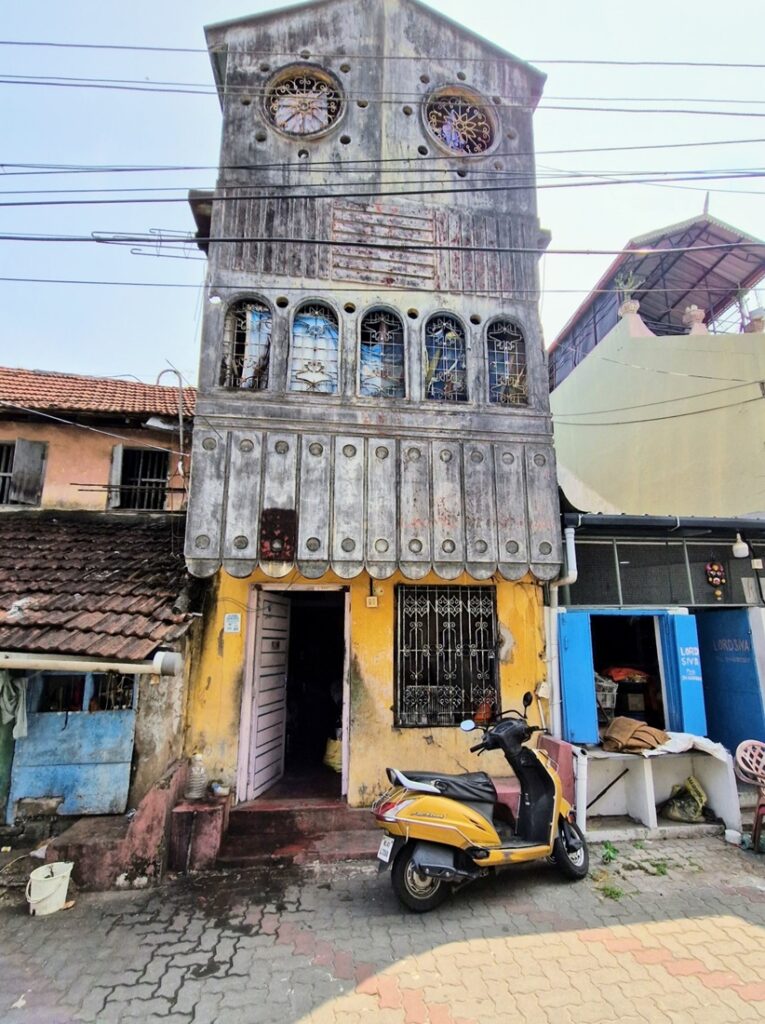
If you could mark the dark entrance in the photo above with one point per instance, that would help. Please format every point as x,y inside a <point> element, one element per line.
<point>624,650</point>
<point>314,692</point>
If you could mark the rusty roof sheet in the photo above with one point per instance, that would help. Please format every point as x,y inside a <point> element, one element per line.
<point>70,392</point>
<point>95,584</point>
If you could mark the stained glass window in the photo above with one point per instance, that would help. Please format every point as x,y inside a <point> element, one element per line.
<point>302,102</point>
<point>247,346</point>
<point>381,371</point>
<point>314,365</point>
<point>460,123</point>
<point>508,384</point>
<point>445,368</point>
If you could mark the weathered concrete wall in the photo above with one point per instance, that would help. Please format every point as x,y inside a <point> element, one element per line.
<point>6,760</point>
<point>660,458</point>
<point>216,687</point>
<point>79,461</point>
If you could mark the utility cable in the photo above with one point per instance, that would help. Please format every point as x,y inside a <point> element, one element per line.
<point>657,419</point>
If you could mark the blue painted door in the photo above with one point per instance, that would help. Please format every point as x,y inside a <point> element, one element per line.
<point>732,687</point>
<point>577,678</point>
<point>682,674</point>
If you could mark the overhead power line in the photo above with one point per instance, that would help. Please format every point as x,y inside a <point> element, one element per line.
<point>656,419</point>
<point>33,169</point>
<point>450,58</point>
<point>376,193</point>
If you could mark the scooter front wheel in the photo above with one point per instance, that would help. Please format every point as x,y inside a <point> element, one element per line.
<point>573,863</point>
<point>416,891</point>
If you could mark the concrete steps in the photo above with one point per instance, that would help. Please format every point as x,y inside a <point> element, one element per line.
<point>297,831</point>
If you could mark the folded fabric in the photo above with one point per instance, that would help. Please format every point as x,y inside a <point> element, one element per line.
<point>627,735</point>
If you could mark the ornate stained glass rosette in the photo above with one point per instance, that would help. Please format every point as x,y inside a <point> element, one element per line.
<point>303,101</point>
<point>460,122</point>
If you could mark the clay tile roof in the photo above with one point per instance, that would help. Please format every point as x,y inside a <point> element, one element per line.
<point>57,568</point>
<point>70,392</point>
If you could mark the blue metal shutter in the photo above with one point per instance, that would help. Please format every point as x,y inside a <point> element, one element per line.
<point>682,674</point>
<point>732,688</point>
<point>577,678</point>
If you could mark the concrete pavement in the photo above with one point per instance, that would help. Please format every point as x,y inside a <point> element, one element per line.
<point>666,932</point>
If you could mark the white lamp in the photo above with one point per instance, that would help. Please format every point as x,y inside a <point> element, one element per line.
<point>740,547</point>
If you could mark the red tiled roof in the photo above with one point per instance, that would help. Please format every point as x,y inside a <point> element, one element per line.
<point>95,584</point>
<point>40,389</point>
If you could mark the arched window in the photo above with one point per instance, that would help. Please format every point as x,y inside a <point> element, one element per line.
<point>506,348</point>
<point>445,369</point>
<point>381,370</point>
<point>314,363</point>
<point>246,346</point>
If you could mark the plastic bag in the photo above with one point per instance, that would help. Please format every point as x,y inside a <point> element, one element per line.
<point>686,803</point>
<point>333,755</point>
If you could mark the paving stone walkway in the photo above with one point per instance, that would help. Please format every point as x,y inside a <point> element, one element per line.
<point>666,932</point>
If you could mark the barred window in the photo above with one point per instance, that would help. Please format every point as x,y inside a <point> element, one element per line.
<point>381,371</point>
<point>246,346</point>
<point>446,368</point>
<point>143,476</point>
<point>315,340</point>
<point>506,348</point>
<point>445,654</point>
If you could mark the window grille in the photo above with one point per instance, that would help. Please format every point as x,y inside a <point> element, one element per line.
<point>506,346</point>
<point>144,479</point>
<point>6,472</point>
<point>653,573</point>
<point>247,346</point>
<point>445,654</point>
<point>315,339</point>
<point>381,372</point>
<point>446,368</point>
<point>459,122</point>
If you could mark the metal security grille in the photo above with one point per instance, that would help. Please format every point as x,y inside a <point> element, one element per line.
<point>6,472</point>
<point>144,479</point>
<point>247,346</point>
<point>445,654</point>
<point>506,350</point>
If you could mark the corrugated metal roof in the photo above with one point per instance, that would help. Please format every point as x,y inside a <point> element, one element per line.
<point>91,583</point>
<point>40,389</point>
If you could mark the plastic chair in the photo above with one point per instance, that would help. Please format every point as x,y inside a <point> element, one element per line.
<point>750,767</point>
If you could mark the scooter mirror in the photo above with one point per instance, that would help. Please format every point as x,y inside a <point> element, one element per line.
<point>528,699</point>
<point>468,725</point>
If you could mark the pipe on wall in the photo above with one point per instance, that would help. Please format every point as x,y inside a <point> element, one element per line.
<point>164,663</point>
<point>553,648</point>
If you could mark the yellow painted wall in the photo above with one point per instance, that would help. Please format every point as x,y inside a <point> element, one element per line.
<point>216,686</point>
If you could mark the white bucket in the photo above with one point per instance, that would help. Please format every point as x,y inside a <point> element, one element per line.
<point>47,887</point>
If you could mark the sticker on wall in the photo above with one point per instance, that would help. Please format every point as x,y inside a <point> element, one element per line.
<point>232,623</point>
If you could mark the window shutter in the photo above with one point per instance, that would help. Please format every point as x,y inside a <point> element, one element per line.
<point>682,674</point>
<point>577,678</point>
<point>113,499</point>
<point>28,472</point>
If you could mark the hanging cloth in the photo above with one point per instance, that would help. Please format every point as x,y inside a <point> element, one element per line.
<point>13,703</point>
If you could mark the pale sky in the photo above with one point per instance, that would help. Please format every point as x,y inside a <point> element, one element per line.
<point>112,330</point>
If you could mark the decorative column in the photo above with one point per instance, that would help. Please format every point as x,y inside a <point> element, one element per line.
<point>628,311</point>
<point>693,318</point>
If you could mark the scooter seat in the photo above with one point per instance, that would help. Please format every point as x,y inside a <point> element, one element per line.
<point>475,786</point>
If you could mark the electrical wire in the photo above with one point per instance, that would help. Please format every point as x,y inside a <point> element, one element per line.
<point>657,419</point>
<point>350,164</point>
<point>376,193</point>
<point>663,401</point>
<point>83,426</point>
<point>137,48</point>
<point>125,239</point>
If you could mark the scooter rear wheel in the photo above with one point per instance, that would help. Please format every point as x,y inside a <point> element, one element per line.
<point>416,891</point>
<point>572,863</point>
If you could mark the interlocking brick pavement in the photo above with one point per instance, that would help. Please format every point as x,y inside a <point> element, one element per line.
<point>668,932</point>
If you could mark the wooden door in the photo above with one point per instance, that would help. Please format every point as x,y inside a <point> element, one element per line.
<point>269,701</point>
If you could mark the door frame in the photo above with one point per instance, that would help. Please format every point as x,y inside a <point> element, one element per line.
<point>248,687</point>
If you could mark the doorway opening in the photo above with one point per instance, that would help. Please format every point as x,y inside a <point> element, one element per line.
<point>315,668</point>
<point>628,672</point>
<point>294,719</point>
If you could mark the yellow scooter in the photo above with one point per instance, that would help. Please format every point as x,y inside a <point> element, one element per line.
<point>443,831</point>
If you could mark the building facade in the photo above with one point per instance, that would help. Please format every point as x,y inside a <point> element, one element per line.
<point>373,479</point>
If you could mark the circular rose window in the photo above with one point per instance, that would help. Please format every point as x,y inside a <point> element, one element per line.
<point>303,101</point>
<point>460,121</point>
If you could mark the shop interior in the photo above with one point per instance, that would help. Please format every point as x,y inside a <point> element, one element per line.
<point>627,669</point>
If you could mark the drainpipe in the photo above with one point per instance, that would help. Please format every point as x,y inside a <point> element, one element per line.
<point>164,663</point>
<point>553,651</point>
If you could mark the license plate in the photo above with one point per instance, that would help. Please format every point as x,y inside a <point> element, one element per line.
<point>386,847</point>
